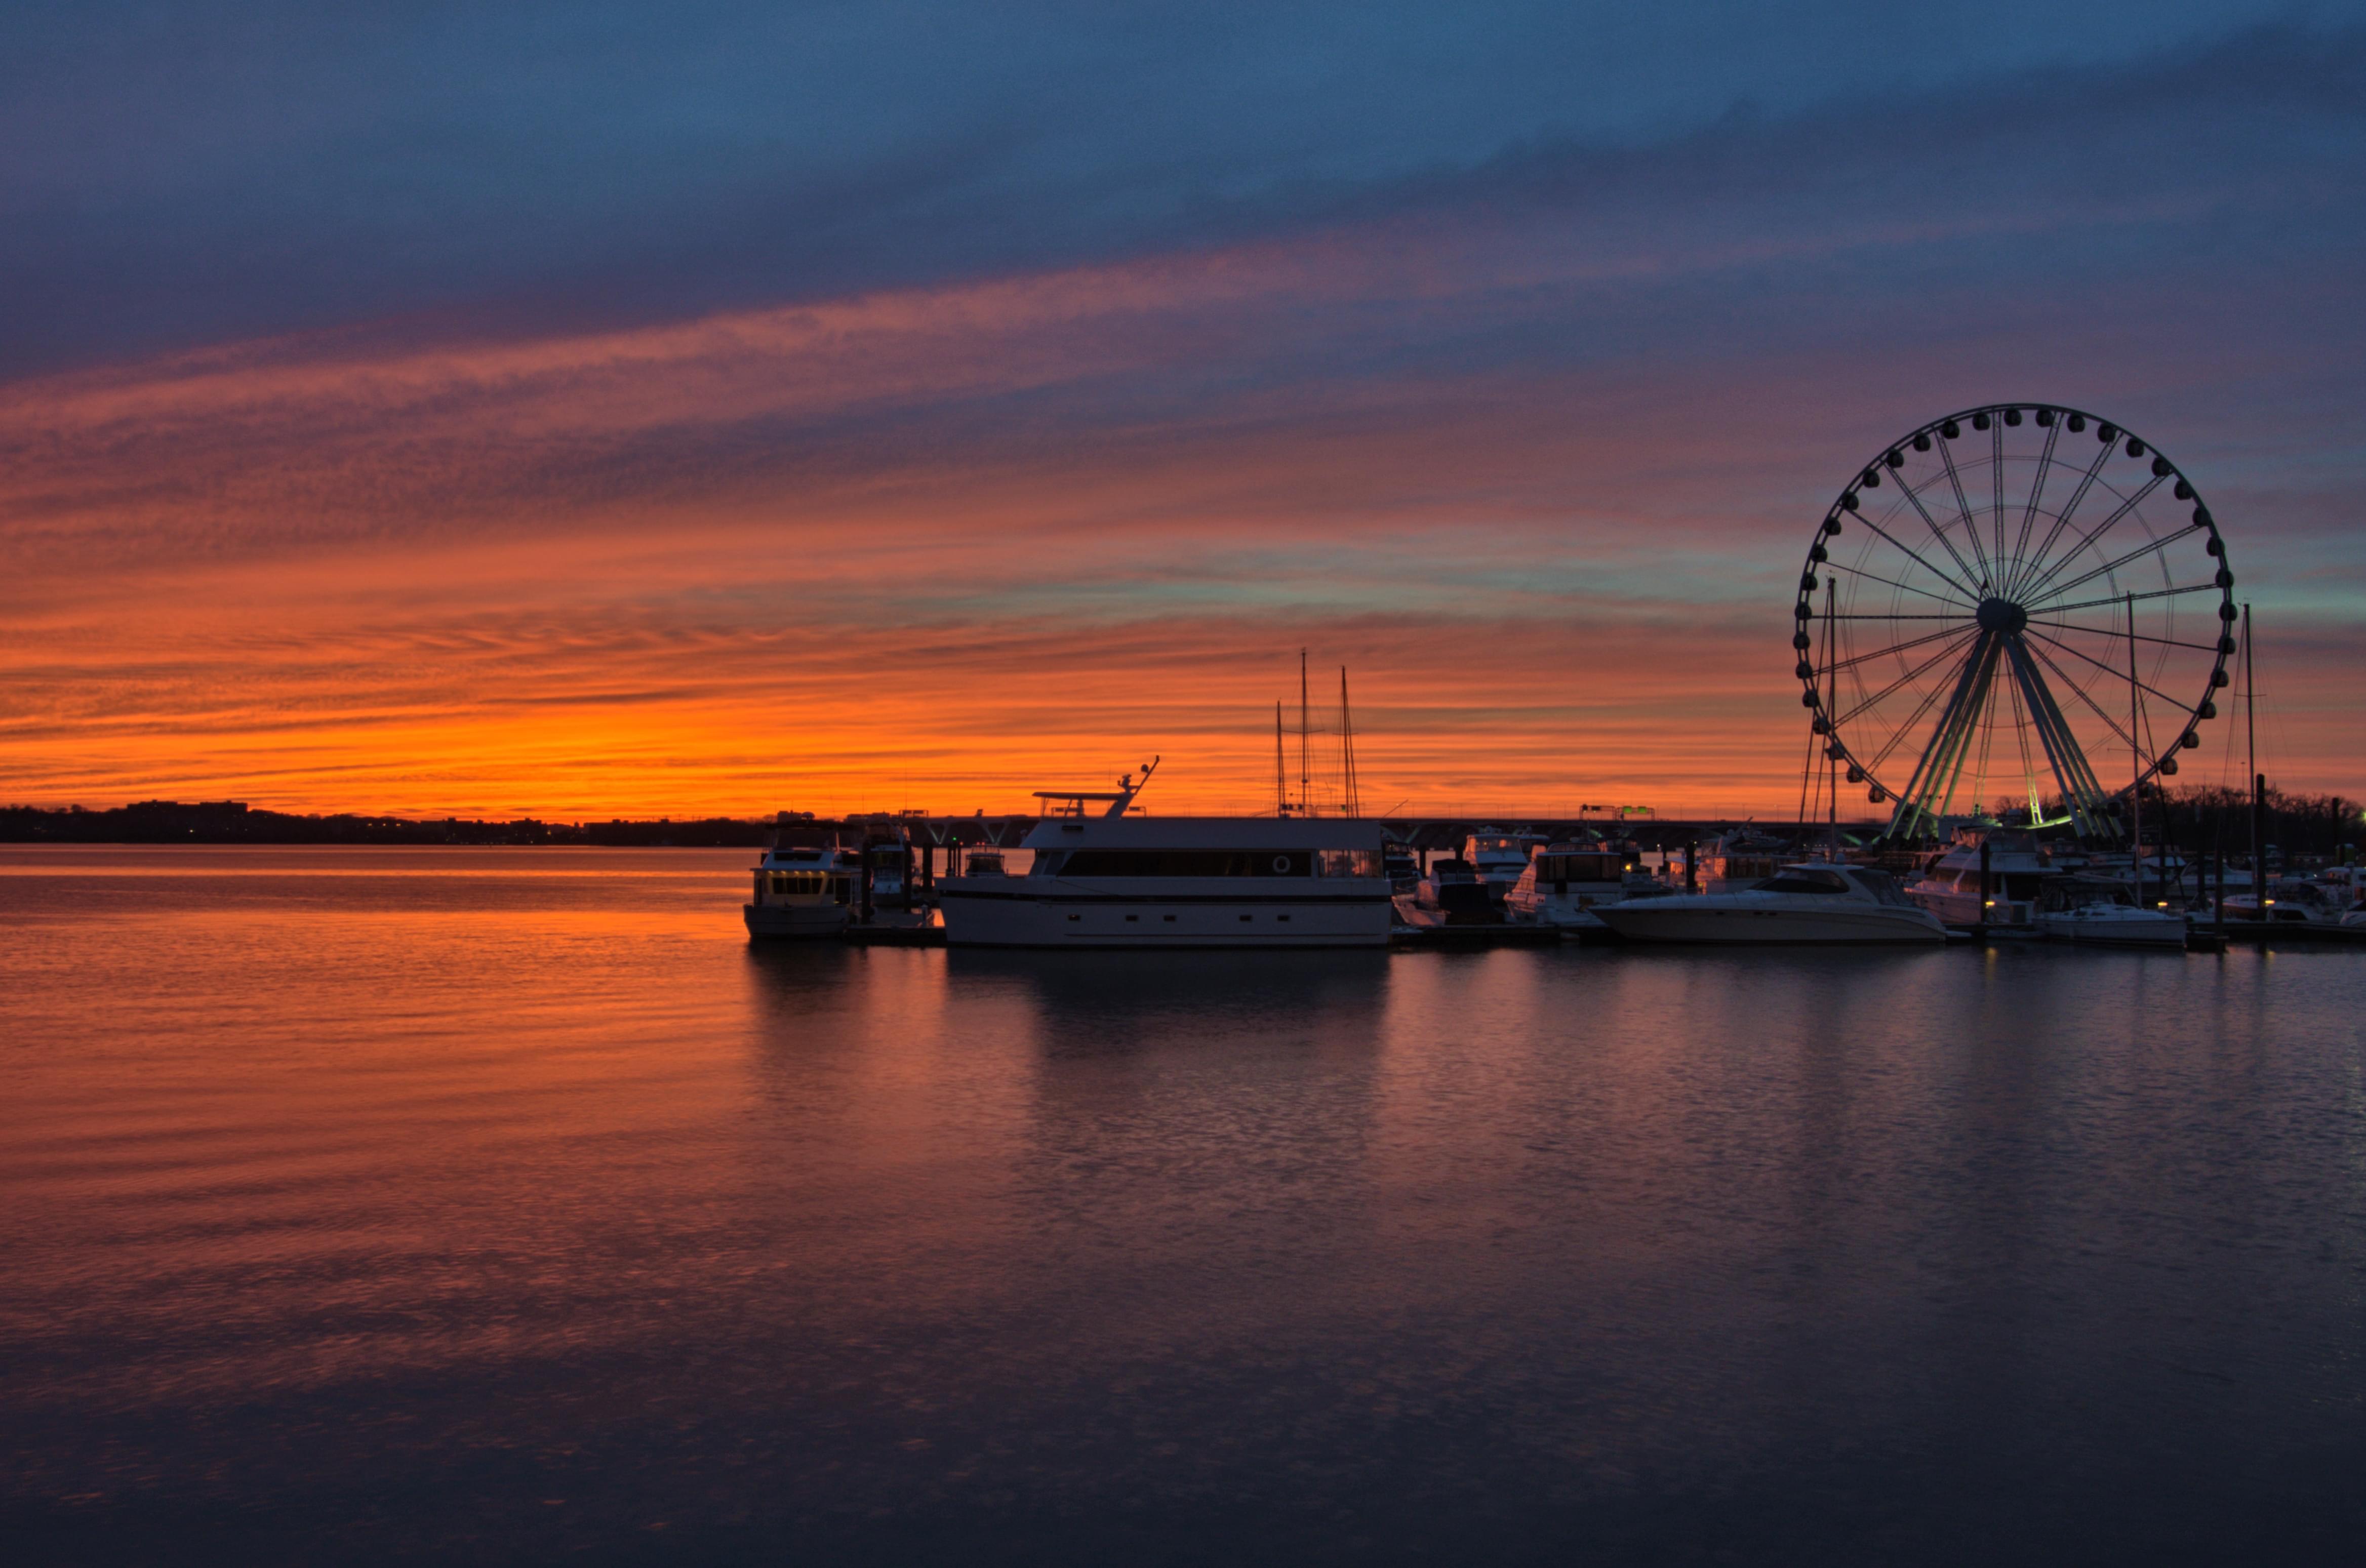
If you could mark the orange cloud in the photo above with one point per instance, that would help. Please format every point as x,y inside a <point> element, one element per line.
<point>940,547</point>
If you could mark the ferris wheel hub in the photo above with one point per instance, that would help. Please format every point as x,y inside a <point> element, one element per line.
<point>2000,615</point>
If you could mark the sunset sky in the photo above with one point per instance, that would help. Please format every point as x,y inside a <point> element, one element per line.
<point>586,409</point>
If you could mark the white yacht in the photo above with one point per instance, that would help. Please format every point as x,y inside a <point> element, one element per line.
<point>2098,913</point>
<point>1114,880</point>
<point>1498,859</point>
<point>804,892</point>
<point>2016,870</point>
<point>1819,901</point>
<point>1564,883</point>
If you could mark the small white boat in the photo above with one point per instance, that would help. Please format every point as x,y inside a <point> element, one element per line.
<point>803,893</point>
<point>1819,901</point>
<point>2104,916</point>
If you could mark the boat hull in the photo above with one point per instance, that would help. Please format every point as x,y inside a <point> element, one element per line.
<point>1077,915</point>
<point>794,920</point>
<point>1744,925</point>
<point>2166,934</point>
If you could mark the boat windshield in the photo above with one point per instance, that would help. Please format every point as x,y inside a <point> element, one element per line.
<point>1883,886</point>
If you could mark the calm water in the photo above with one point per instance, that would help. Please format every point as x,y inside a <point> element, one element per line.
<point>500,1205</point>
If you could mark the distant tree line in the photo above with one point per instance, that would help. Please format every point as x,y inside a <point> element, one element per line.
<point>234,822</point>
<point>2202,816</point>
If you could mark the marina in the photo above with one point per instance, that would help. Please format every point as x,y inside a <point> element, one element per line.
<point>2037,627</point>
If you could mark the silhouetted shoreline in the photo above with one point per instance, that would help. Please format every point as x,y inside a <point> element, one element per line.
<point>234,822</point>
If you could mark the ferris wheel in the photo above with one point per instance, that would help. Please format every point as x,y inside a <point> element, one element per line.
<point>2013,602</point>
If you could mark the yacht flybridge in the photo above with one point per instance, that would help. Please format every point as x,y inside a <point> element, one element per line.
<point>1112,879</point>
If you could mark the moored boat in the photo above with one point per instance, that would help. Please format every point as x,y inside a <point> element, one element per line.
<point>2003,887</point>
<point>1563,883</point>
<point>1120,881</point>
<point>1822,902</point>
<point>803,892</point>
<point>2294,907</point>
<point>1497,860</point>
<point>2095,913</point>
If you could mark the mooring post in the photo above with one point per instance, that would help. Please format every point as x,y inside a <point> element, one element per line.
<point>1692,866</point>
<point>1985,885</point>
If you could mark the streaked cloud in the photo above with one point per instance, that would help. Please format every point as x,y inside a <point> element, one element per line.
<point>1524,417</point>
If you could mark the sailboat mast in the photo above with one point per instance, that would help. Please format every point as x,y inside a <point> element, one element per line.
<point>1354,805</point>
<point>1832,700</point>
<point>1280,780</point>
<point>2136,777</point>
<point>2251,749</point>
<point>1304,772</point>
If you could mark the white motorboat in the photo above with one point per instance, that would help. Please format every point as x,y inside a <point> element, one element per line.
<point>803,893</point>
<point>1952,886</point>
<point>1564,883</point>
<point>1818,901</point>
<point>1115,880</point>
<point>2103,914</point>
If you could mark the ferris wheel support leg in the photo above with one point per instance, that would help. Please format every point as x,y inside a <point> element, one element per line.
<point>1943,757</point>
<point>2080,792</point>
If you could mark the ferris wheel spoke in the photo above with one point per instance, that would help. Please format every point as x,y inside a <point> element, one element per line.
<point>1914,675</point>
<point>1907,587</point>
<point>1898,544</point>
<point>1856,660</point>
<point>2123,598</point>
<point>1907,726</point>
<point>2121,632</point>
<point>2039,583</point>
<point>2029,514</point>
<point>1971,529</point>
<point>2153,547</point>
<point>1971,579</point>
<point>2062,519</point>
<point>1996,492</point>
<point>2109,670</point>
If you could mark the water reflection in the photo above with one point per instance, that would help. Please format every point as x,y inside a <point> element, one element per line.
<point>529,1179</point>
